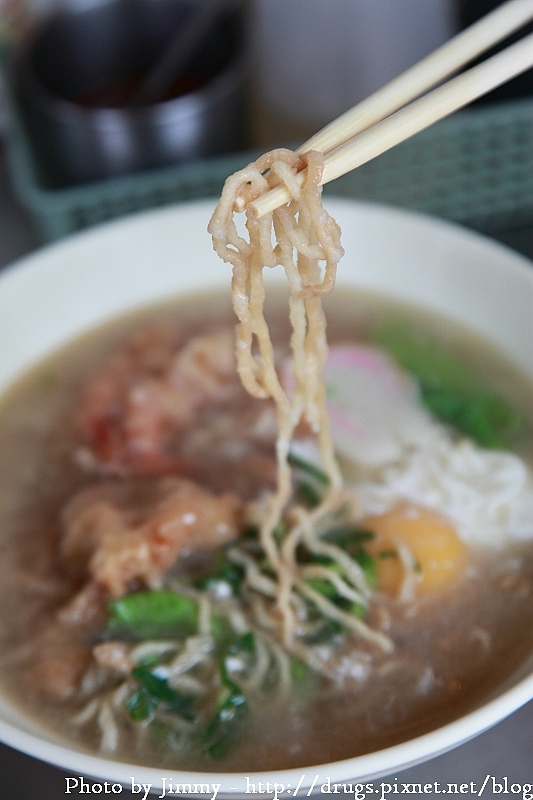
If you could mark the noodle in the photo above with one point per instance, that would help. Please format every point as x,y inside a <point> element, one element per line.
<point>305,226</point>
<point>302,227</point>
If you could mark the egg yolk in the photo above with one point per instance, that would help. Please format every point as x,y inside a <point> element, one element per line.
<point>437,550</point>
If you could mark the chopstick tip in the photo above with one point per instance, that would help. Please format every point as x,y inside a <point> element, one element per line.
<point>239,204</point>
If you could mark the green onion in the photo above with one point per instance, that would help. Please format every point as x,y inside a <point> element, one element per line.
<point>309,494</point>
<point>368,565</point>
<point>250,532</point>
<point>485,418</point>
<point>299,672</point>
<point>243,644</point>
<point>323,587</point>
<point>327,589</point>
<point>152,659</point>
<point>449,387</point>
<point>226,724</point>
<point>302,676</point>
<point>348,537</point>
<point>312,470</point>
<point>158,613</point>
<point>161,690</point>
<point>351,540</point>
<point>358,610</point>
<point>326,631</point>
<point>153,692</point>
<point>221,630</point>
<point>280,531</point>
<point>224,572</point>
<point>142,704</point>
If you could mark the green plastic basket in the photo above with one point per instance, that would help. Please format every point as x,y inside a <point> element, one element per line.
<point>475,168</point>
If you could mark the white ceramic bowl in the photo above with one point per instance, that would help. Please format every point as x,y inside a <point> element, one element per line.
<point>52,296</point>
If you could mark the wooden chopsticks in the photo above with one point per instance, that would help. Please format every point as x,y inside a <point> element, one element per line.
<point>383,120</point>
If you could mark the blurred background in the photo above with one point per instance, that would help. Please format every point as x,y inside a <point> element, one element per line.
<point>108,107</point>
<point>111,106</point>
<point>307,61</point>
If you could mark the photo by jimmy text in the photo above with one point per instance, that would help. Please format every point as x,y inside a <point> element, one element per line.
<point>164,788</point>
<point>307,786</point>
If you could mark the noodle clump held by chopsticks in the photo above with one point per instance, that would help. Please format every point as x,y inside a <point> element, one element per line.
<point>304,235</point>
<point>304,239</point>
<point>302,227</point>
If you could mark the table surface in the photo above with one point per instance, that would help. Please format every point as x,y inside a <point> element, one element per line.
<point>504,752</point>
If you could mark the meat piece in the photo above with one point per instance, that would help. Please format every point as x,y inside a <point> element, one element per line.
<point>62,651</point>
<point>101,405</point>
<point>86,611</point>
<point>205,369</point>
<point>124,546</point>
<point>147,393</point>
<point>59,669</point>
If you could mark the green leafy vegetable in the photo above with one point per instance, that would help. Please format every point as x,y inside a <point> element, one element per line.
<point>358,610</point>
<point>352,539</point>
<point>154,691</point>
<point>226,724</point>
<point>161,689</point>
<point>325,632</point>
<point>243,644</point>
<point>348,537</point>
<point>154,614</point>
<point>280,531</point>
<point>450,388</point>
<point>368,565</point>
<point>250,532</point>
<point>142,704</point>
<point>311,470</point>
<point>487,418</point>
<point>323,587</point>
<point>221,630</point>
<point>300,672</point>
<point>309,494</point>
<point>224,572</point>
<point>328,590</point>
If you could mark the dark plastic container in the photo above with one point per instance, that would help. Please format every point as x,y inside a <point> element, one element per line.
<point>74,80</point>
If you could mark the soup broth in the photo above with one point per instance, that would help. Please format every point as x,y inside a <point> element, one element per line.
<point>73,439</point>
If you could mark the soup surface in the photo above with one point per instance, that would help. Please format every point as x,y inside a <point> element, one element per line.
<point>138,611</point>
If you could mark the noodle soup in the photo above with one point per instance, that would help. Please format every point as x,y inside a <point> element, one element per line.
<point>140,619</point>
